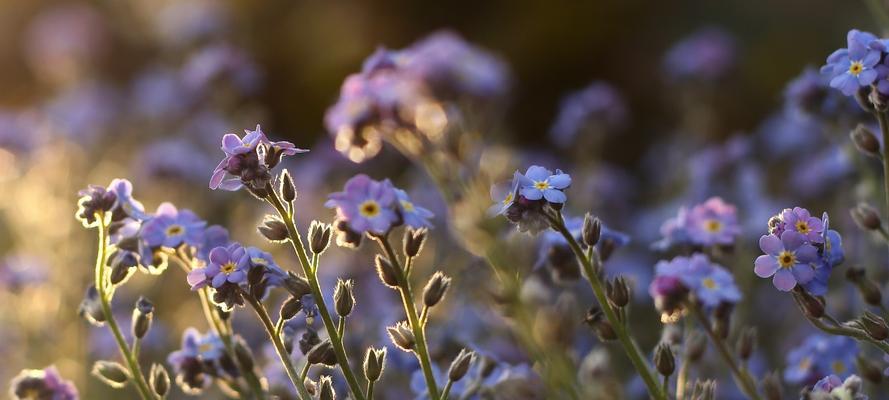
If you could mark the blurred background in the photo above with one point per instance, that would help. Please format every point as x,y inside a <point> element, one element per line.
<point>144,90</point>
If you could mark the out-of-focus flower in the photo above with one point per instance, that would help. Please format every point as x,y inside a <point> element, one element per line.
<point>713,222</point>
<point>828,384</point>
<point>710,284</point>
<point>174,159</point>
<point>366,205</point>
<point>63,42</point>
<point>181,23</point>
<point>413,215</point>
<point>200,358</point>
<point>21,270</point>
<point>853,67</point>
<point>159,93</point>
<point>707,55</point>
<point>19,132</point>
<point>42,384</point>
<point>83,112</point>
<point>170,227</point>
<point>598,109</point>
<point>787,260</point>
<point>820,355</point>
<point>221,62</point>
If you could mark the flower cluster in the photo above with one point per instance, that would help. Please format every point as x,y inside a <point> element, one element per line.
<point>235,270</point>
<point>594,111</point>
<point>524,199</point>
<point>859,65</point>
<point>706,282</point>
<point>820,355</point>
<point>42,384</point>
<point>249,160</point>
<point>850,389</point>
<point>200,359</point>
<point>711,223</point>
<point>799,250</point>
<point>367,206</point>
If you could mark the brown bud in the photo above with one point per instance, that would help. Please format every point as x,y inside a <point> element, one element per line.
<point>322,353</point>
<point>869,370</point>
<point>595,318</point>
<point>402,336</point>
<point>288,190</point>
<point>319,236</point>
<point>591,230</point>
<point>143,313</point>
<point>296,285</point>
<point>111,373</point>
<point>413,241</point>
<point>874,325</point>
<point>865,141</point>
<point>812,306</point>
<point>663,360</point>
<point>374,363</point>
<point>460,365</point>
<point>746,343</point>
<point>866,217</point>
<point>159,380</point>
<point>435,289</point>
<point>695,346</point>
<point>343,298</point>
<point>386,271</point>
<point>273,229</point>
<point>326,392</point>
<point>618,292</point>
<point>290,308</point>
<point>771,386</point>
<point>244,355</point>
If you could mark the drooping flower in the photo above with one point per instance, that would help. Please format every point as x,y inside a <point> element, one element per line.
<point>227,265</point>
<point>540,183</point>
<point>787,260</point>
<point>365,205</point>
<point>412,214</point>
<point>249,160</point>
<point>45,384</point>
<point>171,227</point>
<point>853,67</point>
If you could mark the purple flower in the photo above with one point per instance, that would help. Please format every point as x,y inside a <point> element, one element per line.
<point>45,384</point>
<point>713,222</point>
<point>227,265</point>
<point>801,221</point>
<point>787,259</point>
<point>854,66</point>
<point>197,360</point>
<point>365,205</point>
<point>242,160</point>
<point>94,199</point>
<point>710,283</point>
<point>597,109</point>
<point>412,214</point>
<point>171,227</point>
<point>539,182</point>
<point>123,189</point>
<point>706,55</point>
<point>714,287</point>
<point>828,384</point>
<point>221,62</point>
<point>820,355</point>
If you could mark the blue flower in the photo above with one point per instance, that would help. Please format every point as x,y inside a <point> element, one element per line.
<point>504,195</point>
<point>820,355</point>
<point>412,214</point>
<point>227,265</point>
<point>42,384</point>
<point>125,201</point>
<point>197,360</point>
<point>787,258</point>
<point>539,182</point>
<point>365,205</point>
<point>171,228</point>
<point>854,66</point>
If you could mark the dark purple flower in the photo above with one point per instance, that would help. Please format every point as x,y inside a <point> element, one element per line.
<point>94,199</point>
<point>787,259</point>
<point>366,205</point>
<point>170,228</point>
<point>45,384</point>
<point>242,159</point>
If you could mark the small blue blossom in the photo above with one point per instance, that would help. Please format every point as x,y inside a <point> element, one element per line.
<point>197,360</point>
<point>227,265</point>
<point>171,227</point>
<point>853,67</point>
<point>504,195</point>
<point>366,205</point>
<point>820,355</point>
<point>412,214</point>
<point>540,183</point>
<point>787,259</point>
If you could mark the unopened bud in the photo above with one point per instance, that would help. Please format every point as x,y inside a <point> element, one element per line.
<point>771,386</point>
<point>296,285</point>
<point>747,343</point>
<point>865,141</point>
<point>812,306</point>
<point>143,313</point>
<point>591,231</point>
<point>343,298</point>
<point>869,370</point>
<point>111,373</point>
<point>705,390</point>
<point>290,308</point>
<point>402,336</point>
<point>618,292</point>
<point>663,360</point>
<point>374,364</point>
<point>91,307</point>
<point>273,229</point>
<point>413,241</point>
<point>322,353</point>
<point>159,380</point>
<point>695,346</point>
<point>386,271</point>
<point>866,217</point>
<point>722,319</point>
<point>435,289</point>
<point>319,236</point>
<point>595,318</point>
<point>325,391</point>
<point>244,355</point>
<point>874,325</point>
<point>460,365</point>
<point>288,190</point>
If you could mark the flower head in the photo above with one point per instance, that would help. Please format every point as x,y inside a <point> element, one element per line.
<point>707,55</point>
<point>366,205</point>
<point>820,355</point>
<point>854,67</point>
<point>787,260</point>
<point>45,384</point>
<point>249,160</point>
<point>412,214</point>
<point>227,265</point>
<point>94,199</point>
<point>598,109</point>
<point>709,283</point>
<point>199,359</point>
<point>801,221</point>
<point>171,227</point>
<point>540,183</point>
<point>713,222</point>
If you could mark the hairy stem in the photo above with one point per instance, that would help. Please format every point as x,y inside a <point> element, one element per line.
<point>747,383</point>
<point>884,130</point>
<point>279,347</point>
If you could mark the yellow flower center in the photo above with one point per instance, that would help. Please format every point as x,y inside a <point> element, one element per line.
<point>508,199</point>
<point>713,226</point>
<point>838,367</point>
<point>786,259</point>
<point>856,67</point>
<point>258,261</point>
<point>31,394</point>
<point>205,347</point>
<point>369,208</point>
<point>805,363</point>
<point>709,283</point>
<point>174,230</point>
<point>541,185</point>
<point>408,206</point>
<point>228,267</point>
<point>803,227</point>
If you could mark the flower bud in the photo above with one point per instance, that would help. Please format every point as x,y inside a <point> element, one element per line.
<point>866,217</point>
<point>722,319</point>
<point>595,318</point>
<point>879,100</point>
<point>296,285</point>
<point>322,353</point>
<point>746,343</point>
<point>695,346</point>
<point>111,373</point>
<point>402,336</point>
<point>771,386</point>
<point>870,292</point>
<point>343,298</point>
<point>374,364</point>
<point>288,190</point>
<point>319,237</point>
<point>663,360</point>
<point>326,392</point>
<point>273,229</point>
<point>618,292</point>
<point>91,307</point>
<point>290,308</point>
<point>874,325</point>
<point>159,380</point>
<point>435,289</point>
<point>143,313</point>
<point>460,365</point>
<point>869,370</point>
<point>413,241</point>
<point>705,390</point>
<point>386,271</point>
<point>865,141</point>
<point>243,355</point>
<point>591,231</point>
<point>812,306</point>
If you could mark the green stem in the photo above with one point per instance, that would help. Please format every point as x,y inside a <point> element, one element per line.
<point>315,287</point>
<point>747,383</point>
<point>884,129</point>
<point>305,372</point>
<point>370,390</point>
<point>279,347</point>
<point>447,390</point>
<point>407,298</point>
<point>630,347</point>
<point>105,299</point>
<point>842,330</point>
<point>682,375</point>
